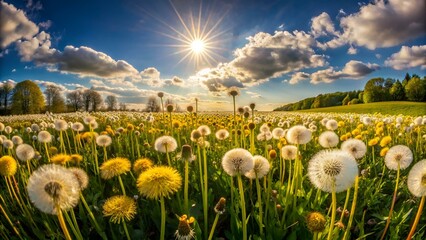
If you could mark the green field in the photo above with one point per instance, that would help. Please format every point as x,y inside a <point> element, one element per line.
<point>394,108</point>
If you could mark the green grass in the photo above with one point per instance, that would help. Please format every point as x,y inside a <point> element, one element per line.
<point>393,108</point>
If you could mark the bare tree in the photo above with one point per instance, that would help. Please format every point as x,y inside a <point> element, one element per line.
<point>152,105</point>
<point>54,100</point>
<point>92,100</point>
<point>123,106</point>
<point>111,102</point>
<point>75,99</point>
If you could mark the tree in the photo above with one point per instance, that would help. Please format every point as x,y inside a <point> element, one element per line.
<point>27,98</point>
<point>397,91</point>
<point>346,100</point>
<point>123,106</point>
<point>92,100</point>
<point>75,100</point>
<point>374,90</point>
<point>111,102</point>
<point>415,89</point>
<point>318,102</point>
<point>6,90</point>
<point>152,105</point>
<point>54,100</point>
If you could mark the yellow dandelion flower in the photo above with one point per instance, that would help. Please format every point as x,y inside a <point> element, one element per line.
<point>8,166</point>
<point>379,131</point>
<point>384,151</point>
<point>76,158</point>
<point>141,165</point>
<point>158,182</point>
<point>385,141</point>
<point>316,222</point>
<point>114,167</point>
<point>341,124</point>
<point>343,137</point>
<point>360,126</point>
<point>373,141</point>
<point>356,132</point>
<point>119,208</point>
<point>359,137</point>
<point>60,158</point>
<point>130,127</point>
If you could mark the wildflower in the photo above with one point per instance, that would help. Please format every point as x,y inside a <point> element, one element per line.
<point>417,179</point>
<point>331,124</point>
<point>89,119</point>
<point>373,141</point>
<point>233,91</point>
<point>186,153</point>
<point>204,130</point>
<point>51,186</point>
<point>355,147</point>
<point>61,125</point>
<point>366,120</point>
<point>77,126</point>
<point>165,144</point>
<point>159,182</point>
<point>114,167</point>
<point>398,155</point>
<point>81,176</point>
<point>222,134</point>
<point>272,154</point>
<point>195,135</point>
<point>328,139</point>
<point>103,140</point>
<point>237,161</point>
<point>298,135</point>
<point>25,152</point>
<point>185,231</point>
<point>332,167</point>
<point>60,158</point>
<point>385,141</point>
<point>260,169</point>
<point>76,158</point>
<point>220,206</point>
<point>384,151</point>
<point>142,165</point>
<point>8,144</point>
<point>315,222</point>
<point>264,128</point>
<point>119,208</point>
<point>44,137</point>
<point>264,136</point>
<point>17,140</point>
<point>277,133</point>
<point>289,152</point>
<point>35,127</point>
<point>8,166</point>
<point>8,129</point>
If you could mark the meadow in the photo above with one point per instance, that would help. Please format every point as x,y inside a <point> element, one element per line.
<point>189,175</point>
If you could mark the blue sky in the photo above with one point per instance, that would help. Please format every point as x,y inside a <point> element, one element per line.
<point>276,52</point>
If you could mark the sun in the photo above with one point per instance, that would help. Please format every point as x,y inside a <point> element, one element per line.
<point>199,39</point>
<point>197,46</point>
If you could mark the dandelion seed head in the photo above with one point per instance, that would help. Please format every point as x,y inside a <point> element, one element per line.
<point>416,181</point>
<point>331,124</point>
<point>260,169</point>
<point>222,134</point>
<point>298,135</point>
<point>61,125</point>
<point>17,140</point>
<point>289,152</point>
<point>278,133</point>
<point>204,130</point>
<point>103,140</point>
<point>355,147</point>
<point>53,185</point>
<point>8,144</point>
<point>328,139</point>
<point>44,137</point>
<point>237,161</point>
<point>399,154</point>
<point>25,152</point>
<point>77,126</point>
<point>81,176</point>
<point>165,144</point>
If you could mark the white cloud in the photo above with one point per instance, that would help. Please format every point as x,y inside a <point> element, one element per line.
<point>352,50</point>
<point>385,23</point>
<point>322,25</point>
<point>14,25</point>
<point>14,70</point>
<point>297,77</point>
<point>253,94</point>
<point>408,57</point>
<point>352,70</point>
<point>46,25</point>
<point>265,56</point>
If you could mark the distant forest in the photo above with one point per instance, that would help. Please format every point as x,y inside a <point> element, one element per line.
<point>411,88</point>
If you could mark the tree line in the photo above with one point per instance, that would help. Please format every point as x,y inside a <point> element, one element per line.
<point>26,97</point>
<point>411,88</point>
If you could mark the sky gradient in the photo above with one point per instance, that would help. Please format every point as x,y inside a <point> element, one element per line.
<point>277,52</point>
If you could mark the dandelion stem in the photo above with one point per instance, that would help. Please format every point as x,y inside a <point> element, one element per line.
<point>392,205</point>
<point>206,189</point>
<point>62,223</point>
<point>348,194</point>
<point>163,219</point>
<point>10,222</point>
<point>259,199</point>
<point>333,210</point>
<point>351,217</point>
<point>214,226</point>
<point>185,190</point>
<point>126,231</point>
<point>243,207</point>
<point>121,185</point>
<point>98,228</point>
<point>416,220</point>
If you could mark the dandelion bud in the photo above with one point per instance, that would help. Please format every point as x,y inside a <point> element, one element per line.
<point>274,194</point>
<point>190,108</point>
<point>272,154</point>
<point>184,230</point>
<point>169,108</point>
<point>160,94</point>
<point>195,134</point>
<point>246,114</point>
<point>315,222</point>
<point>220,206</point>
<point>186,152</point>
<point>252,106</point>
<point>240,110</point>
<point>251,126</point>
<point>340,225</point>
<point>279,207</point>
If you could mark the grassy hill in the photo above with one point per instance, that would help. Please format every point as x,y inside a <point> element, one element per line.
<point>393,108</point>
